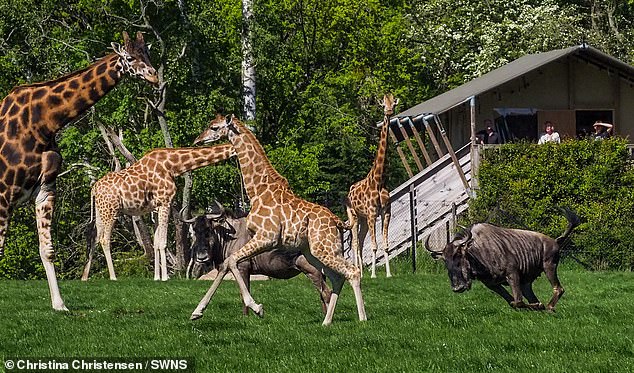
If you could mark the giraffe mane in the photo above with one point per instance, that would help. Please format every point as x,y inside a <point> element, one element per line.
<point>61,78</point>
<point>271,171</point>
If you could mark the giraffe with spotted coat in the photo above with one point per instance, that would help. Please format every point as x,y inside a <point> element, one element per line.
<point>31,115</point>
<point>279,219</point>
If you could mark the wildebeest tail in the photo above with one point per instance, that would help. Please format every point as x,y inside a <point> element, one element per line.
<point>573,221</point>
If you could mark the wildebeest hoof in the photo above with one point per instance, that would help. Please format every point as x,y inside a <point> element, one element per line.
<point>196,316</point>
<point>536,306</point>
<point>519,304</point>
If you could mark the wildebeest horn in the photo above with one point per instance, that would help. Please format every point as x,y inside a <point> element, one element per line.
<point>215,212</point>
<point>181,216</point>
<point>428,248</point>
<point>466,238</point>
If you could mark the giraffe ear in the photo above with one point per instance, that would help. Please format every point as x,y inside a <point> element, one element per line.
<point>139,37</point>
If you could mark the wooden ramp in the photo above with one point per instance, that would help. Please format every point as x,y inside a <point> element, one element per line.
<point>422,205</point>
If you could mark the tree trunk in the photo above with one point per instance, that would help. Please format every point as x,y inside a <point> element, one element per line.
<point>181,258</point>
<point>248,63</point>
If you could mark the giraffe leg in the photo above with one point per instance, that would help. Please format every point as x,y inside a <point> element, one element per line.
<point>250,249</point>
<point>338,270</point>
<point>5,212</point>
<point>105,245</point>
<point>160,242</point>
<point>230,264</point>
<point>354,244</point>
<point>91,242</point>
<point>44,202</point>
<point>386,216</point>
<point>198,312</point>
<point>363,231</point>
<point>372,230</point>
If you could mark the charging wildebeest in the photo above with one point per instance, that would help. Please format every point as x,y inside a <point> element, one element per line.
<point>503,256</point>
<point>218,233</point>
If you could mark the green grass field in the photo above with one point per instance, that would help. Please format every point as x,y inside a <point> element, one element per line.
<point>415,323</point>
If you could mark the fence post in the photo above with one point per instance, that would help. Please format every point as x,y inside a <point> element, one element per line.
<point>413,223</point>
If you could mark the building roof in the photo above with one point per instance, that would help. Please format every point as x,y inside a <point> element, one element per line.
<point>513,70</point>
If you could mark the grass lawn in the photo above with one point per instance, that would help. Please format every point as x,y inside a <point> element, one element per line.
<point>415,323</point>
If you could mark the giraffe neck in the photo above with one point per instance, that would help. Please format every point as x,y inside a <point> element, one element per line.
<point>378,167</point>
<point>181,160</point>
<point>257,172</point>
<point>48,106</point>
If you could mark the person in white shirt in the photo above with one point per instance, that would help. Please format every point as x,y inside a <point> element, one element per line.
<point>550,134</point>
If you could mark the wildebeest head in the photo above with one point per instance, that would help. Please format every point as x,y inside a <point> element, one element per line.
<point>456,258</point>
<point>202,229</point>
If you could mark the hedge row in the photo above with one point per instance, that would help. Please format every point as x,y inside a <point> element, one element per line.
<point>595,178</point>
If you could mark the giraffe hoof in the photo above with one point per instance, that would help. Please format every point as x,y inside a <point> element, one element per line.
<point>258,309</point>
<point>61,308</point>
<point>196,316</point>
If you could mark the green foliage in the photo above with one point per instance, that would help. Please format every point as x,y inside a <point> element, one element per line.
<point>594,178</point>
<point>21,258</point>
<point>320,65</point>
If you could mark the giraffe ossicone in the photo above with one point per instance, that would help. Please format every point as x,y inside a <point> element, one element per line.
<point>279,219</point>
<point>30,116</point>
<point>368,198</point>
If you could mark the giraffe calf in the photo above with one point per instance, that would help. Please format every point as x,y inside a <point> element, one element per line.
<point>146,185</point>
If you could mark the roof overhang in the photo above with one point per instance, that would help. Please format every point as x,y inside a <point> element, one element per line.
<point>514,70</point>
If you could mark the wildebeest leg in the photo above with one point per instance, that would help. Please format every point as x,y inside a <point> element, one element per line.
<point>500,290</point>
<point>550,268</point>
<point>317,278</point>
<point>518,298</point>
<point>534,303</point>
<point>198,312</point>
<point>386,216</point>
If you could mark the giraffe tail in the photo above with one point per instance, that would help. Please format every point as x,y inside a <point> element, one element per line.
<point>91,231</point>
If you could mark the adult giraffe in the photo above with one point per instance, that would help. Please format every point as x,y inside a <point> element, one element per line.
<point>146,185</point>
<point>368,198</point>
<point>280,220</point>
<point>31,115</point>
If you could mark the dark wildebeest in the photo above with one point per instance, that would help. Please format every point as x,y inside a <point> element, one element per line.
<point>218,233</point>
<point>504,256</point>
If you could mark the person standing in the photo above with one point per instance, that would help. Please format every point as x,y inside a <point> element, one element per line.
<point>492,136</point>
<point>549,135</point>
<point>602,130</point>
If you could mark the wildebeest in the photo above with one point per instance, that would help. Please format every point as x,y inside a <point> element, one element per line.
<point>219,233</point>
<point>503,256</point>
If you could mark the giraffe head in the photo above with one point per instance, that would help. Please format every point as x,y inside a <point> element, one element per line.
<point>135,59</point>
<point>221,127</point>
<point>388,104</point>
